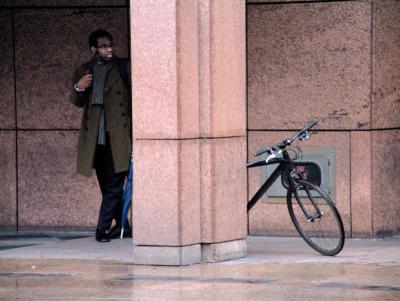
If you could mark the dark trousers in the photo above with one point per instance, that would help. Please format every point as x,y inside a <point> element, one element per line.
<point>111,185</point>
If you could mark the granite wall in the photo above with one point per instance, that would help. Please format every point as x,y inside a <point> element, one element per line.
<point>336,61</point>
<point>42,42</point>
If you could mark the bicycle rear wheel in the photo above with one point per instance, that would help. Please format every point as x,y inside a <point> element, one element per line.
<point>323,228</point>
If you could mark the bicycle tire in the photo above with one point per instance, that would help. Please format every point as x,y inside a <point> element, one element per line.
<point>328,241</point>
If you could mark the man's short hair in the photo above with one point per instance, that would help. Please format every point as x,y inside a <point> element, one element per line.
<point>95,35</point>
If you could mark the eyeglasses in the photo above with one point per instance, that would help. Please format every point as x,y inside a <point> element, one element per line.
<point>104,46</point>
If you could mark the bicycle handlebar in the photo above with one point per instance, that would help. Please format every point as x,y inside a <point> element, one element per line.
<point>304,130</point>
<point>302,135</point>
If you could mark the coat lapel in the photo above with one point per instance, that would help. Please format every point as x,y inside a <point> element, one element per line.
<point>112,77</point>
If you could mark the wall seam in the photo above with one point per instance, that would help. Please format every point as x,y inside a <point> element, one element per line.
<point>247,117</point>
<point>373,7</point>
<point>298,2</point>
<point>62,7</point>
<point>211,30</point>
<point>328,130</point>
<point>128,31</point>
<point>200,141</point>
<point>178,130</point>
<point>15,120</point>
<point>351,184</point>
<point>199,123</point>
<point>41,129</point>
<point>371,87</point>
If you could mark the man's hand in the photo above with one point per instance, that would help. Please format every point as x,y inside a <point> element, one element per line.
<point>85,81</point>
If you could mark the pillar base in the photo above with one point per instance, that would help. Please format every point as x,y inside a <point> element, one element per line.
<point>156,255</point>
<point>187,255</point>
<point>223,251</point>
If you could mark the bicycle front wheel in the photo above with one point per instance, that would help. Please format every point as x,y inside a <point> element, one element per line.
<point>316,218</point>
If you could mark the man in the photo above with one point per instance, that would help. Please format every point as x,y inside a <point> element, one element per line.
<point>101,87</point>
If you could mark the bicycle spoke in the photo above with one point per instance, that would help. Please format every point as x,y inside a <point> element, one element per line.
<point>323,232</point>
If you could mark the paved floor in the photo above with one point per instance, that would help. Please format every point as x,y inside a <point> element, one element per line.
<point>75,267</point>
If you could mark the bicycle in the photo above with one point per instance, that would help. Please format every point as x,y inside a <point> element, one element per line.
<point>312,211</point>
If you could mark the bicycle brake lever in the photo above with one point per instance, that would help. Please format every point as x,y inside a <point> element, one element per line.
<point>270,157</point>
<point>304,136</point>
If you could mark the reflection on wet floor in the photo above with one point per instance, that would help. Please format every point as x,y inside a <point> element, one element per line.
<point>52,268</point>
<point>7,247</point>
<point>363,287</point>
<point>27,279</point>
<point>60,236</point>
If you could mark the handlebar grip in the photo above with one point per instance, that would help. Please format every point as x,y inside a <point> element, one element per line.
<point>311,124</point>
<point>286,142</point>
<point>273,148</point>
<point>305,129</point>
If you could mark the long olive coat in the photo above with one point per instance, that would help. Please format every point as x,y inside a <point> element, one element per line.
<point>118,120</point>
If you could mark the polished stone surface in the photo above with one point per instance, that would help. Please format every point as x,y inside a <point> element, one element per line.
<point>361,184</point>
<point>166,69</point>
<point>386,65</point>
<point>189,122</point>
<point>50,193</point>
<point>223,189</point>
<point>385,182</point>
<point>271,216</point>
<point>189,76</point>
<point>49,46</point>
<point>273,1</point>
<point>222,68</point>
<point>167,255</point>
<point>309,60</point>
<point>276,269</point>
<point>7,102</point>
<point>223,251</point>
<point>8,191</point>
<point>69,2</point>
<point>166,210</point>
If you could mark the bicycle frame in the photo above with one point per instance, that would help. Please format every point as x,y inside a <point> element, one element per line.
<point>302,181</point>
<point>284,164</point>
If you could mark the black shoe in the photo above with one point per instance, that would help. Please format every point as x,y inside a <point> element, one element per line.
<point>102,236</point>
<point>115,232</point>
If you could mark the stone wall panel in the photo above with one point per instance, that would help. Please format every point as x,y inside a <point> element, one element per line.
<point>166,192</point>
<point>8,195</point>
<point>50,193</point>
<point>386,65</point>
<point>7,97</point>
<point>51,44</point>
<point>361,185</point>
<point>70,2</point>
<point>385,182</point>
<point>223,189</point>
<point>309,60</point>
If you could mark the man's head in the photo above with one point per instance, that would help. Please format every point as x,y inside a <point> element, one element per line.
<point>101,43</point>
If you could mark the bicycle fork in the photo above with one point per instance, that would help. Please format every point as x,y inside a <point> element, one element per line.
<point>296,187</point>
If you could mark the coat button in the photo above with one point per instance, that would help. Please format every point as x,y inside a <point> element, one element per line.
<point>124,125</point>
<point>123,114</point>
<point>121,104</point>
<point>119,92</point>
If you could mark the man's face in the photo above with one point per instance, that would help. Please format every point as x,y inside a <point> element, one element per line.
<point>104,48</point>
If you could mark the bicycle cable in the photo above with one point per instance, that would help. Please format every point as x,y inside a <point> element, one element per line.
<point>297,153</point>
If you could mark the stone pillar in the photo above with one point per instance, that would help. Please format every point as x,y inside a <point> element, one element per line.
<point>189,111</point>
